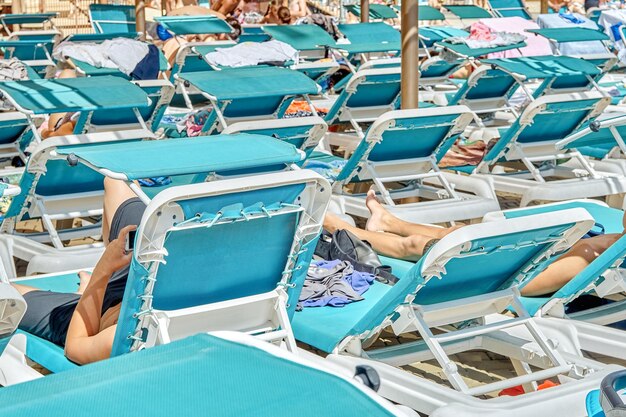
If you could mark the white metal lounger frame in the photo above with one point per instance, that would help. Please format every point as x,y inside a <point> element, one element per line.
<point>83,124</point>
<point>361,114</point>
<point>448,204</point>
<point>426,396</point>
<point>615,159</point>
<point>576,175</point>
<point>316,134</point>
<point>238,314</point>
<point>184,52</point>
<point>31,247</point>
<point>222,122</point>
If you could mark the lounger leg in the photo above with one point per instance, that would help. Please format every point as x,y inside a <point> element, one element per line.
<point>13,366</point>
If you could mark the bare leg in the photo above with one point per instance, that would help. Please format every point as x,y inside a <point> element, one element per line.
<point>561,271</point>
<point>23,289</point>
<point>383,221</point>
<point>409,247</point>
<point>115,193</point>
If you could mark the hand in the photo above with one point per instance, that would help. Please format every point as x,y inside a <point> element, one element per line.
<point>115,256</point>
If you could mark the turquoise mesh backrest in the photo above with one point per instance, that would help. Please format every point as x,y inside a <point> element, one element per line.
<point>557,122</point>
<point>217,263</point>
<point>112,18</point>
<point>498,268</point>
<point>417,137</point>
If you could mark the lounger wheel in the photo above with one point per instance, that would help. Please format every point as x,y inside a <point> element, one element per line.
<point>610,400</point>
<point>368,376</point>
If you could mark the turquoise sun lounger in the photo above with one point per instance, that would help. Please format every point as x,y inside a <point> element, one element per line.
<point>248,93</point>
<point>468,274</point>
<point>405,146</point>
<point>56,190</point>
<point>199,233</point>
<point>239,368</point>
<point>312,42</point>
<point>112,18</point>
<point>304,133</point>
<point>42,19</point>
<point>532,140</point>
<point>368,38</point>
<point>509,8</point>
<point>376,11</point>
<point>107,101</point>
<point>468,11</point>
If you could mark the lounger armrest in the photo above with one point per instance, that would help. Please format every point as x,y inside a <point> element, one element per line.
<point>13,307</point>
<point>610,400</point>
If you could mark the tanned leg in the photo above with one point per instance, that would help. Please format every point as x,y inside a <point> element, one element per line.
<point>409,247</point>
<point>383,221</point>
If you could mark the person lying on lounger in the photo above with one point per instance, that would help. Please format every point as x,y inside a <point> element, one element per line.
<point>396,238</point>
<point>85,322</point>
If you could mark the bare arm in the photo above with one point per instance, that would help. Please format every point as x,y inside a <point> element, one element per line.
<point>300,10</point>
<point>85,341</point>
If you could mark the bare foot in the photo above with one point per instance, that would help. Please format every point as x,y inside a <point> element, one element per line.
<point>84,281</point>
<point>446,231</point>
<point>376,222</point>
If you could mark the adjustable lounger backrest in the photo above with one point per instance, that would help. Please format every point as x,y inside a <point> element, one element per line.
<point>482,258</point>
<point>112,18</point>
<point>611,258</point>
<point>486,88</point>
<point>369,88</point>
<point>250,92</point>
<point>302,132</point>
<point>376,11</point>
<point>473,260</point>
<point>430,35</point>
<point>600,141</point>
<point>509,8</point>
<point>402,135</point>
<point>434,70</point>
<point>215,242</point>
<point>548,120</point>
<point>14,129</point>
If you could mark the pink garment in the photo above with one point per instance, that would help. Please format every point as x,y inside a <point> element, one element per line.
<point>481,32</point>
<point>537,45</point>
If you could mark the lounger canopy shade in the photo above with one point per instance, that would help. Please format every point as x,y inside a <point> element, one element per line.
<point>369,37</point>
<point>26,18</point>
<point>74,95</point>
<point>468,11</point>
<point>565,35</point>
<point>99,37</point>
<point>219,153</point>
<point>542,67</point>
<point>194,25</point>
<point>430,13</point>
<point>245,83</point>
<point>301,37</point>
<point>240,378</point>
<point>462,50</point>
<point>377,11</point>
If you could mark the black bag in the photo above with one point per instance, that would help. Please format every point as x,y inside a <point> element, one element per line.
<point>344,246</point>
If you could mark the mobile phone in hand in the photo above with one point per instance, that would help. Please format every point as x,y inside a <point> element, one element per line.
<point>130,241</point>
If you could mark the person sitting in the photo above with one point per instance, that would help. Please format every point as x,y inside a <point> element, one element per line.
<point>84,322</point>
<point>396,238</point>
